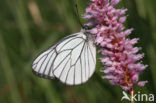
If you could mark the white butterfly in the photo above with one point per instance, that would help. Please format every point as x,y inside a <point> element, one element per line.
<point>72,60</point>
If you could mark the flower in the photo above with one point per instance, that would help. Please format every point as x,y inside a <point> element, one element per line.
<point>119,55</point>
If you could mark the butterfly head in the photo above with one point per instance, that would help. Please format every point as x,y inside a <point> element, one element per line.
<point>85,27</point>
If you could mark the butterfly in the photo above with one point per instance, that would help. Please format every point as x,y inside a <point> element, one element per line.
<point>72,60</point>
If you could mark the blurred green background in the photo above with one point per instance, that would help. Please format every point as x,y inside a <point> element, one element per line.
<point>28,27</point>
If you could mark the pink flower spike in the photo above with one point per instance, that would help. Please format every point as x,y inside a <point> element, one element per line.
<point>120,57</point>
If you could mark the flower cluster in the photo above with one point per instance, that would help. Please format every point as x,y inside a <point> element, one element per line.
<point>119,55</point>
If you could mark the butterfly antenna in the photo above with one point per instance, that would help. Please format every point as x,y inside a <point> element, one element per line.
<point>77,14</point>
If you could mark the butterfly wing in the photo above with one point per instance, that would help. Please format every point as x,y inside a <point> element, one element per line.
<point>43,64</point>
<point>72,60</point>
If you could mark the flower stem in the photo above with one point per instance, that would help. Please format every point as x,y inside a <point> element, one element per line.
<point>132,93</point>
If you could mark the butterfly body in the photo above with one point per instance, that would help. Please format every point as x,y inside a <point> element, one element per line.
<point>72,60</point>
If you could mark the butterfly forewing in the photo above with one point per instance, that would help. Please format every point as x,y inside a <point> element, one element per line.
<point>72,60</point>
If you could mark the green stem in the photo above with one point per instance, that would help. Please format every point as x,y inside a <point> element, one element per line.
<point>132,93</point>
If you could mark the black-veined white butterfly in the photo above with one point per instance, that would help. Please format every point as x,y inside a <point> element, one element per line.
<point>72,60</point>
